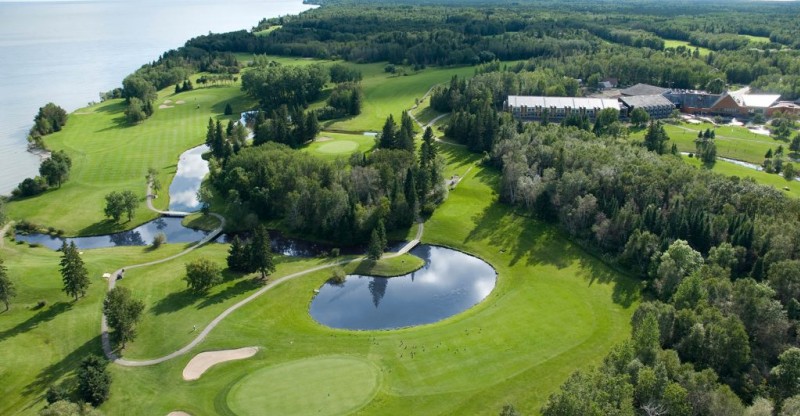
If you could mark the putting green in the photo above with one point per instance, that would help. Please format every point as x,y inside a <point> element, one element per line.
<point>328,385</point>
<point>338,147</point>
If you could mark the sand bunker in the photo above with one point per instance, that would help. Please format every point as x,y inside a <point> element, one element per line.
<point>323,139</point>
<point>167,101</point>
<point>163,106</point>
<point>178,413</point>
<point>203,361</point>
<point>179,102</point>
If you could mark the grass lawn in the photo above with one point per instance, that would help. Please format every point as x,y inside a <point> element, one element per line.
<point>334,145</point>
<point>732,142</point>
<point>757,39</point>
<point>671,43</point>
<point>731,169</point>
<point>109,155</point>
<point>389,266</point>
<point>555,309</point>
<point>199,221</point>
<point>331,384</point>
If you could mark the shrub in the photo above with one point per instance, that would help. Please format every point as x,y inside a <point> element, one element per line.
<point>339,276</point>
<point>159,239</point>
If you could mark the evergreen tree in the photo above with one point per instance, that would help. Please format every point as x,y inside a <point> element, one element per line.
<point>656,138</point>
<point>218,147</point>
<point>228,109</point>
<point>312,127</point>
<point>7,289</point>
<point>410,189</point>
<point>178,89</point>
<point>73,271</point>
<point>210,134</point>
<point>374,250</point>
<point>387,137</point>
<point>94,381</point>
<point>381,228</point>
<point>261,256</point>
<point>239,256</point>
<point>405,137</point>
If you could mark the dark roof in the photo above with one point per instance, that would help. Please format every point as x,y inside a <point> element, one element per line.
<point>643,89</point>
<point>646,101</point>
<point>693,99</point>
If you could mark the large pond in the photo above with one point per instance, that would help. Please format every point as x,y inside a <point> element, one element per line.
<point>449,283</point>
<point>188,177</point>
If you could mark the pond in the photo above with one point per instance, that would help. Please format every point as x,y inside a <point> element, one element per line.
<point>188,177</point>
<point>450,282</point>
<point>139,236</point>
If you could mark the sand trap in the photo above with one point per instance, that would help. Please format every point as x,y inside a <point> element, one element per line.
<point>163,106</point>
<point>167,101</point>
<point>323,139</point>
<point>205,360</point>
<point>178,413</point>
<point>179,102</point>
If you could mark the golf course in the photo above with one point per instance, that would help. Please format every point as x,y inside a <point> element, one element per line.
<point>554,304</point>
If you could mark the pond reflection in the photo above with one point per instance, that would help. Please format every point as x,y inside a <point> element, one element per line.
<point>449,283</point>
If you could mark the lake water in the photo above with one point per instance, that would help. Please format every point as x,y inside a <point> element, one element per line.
<point>69,51</point>
<point>449,283</point>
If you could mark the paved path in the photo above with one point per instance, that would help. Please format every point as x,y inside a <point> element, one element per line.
<point>150,206</point>
<point>202,335</point>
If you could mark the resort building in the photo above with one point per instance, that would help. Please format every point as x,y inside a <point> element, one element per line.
<point>657,106</point>
<point>556,108</point>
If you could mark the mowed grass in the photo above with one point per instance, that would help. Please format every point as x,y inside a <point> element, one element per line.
<point>390,266</point>
<point>732,142</point>
<point>731,169</point>
<point>110,155</point>
<point>40,346</point>
<point>329,145</point>
<point>671,43</point>
<point>327,385</point>
<point>555,309</point>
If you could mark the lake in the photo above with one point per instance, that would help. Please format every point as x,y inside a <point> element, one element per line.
<point>68,52</point>
<point>449,283</point>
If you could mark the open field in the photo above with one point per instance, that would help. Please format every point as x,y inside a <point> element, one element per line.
<point>756,39</point>
<point>671,43</point>
<point>773,180</point>
<point>732,142</point>
<point>109,155</point>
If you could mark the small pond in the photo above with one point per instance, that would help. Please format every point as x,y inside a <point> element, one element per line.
<point>449,283</point>
<point>191,171</point>
<point>139,236</point>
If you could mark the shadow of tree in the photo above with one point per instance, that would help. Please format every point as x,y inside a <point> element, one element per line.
<point>66,365</point>
<point>237,289</point>
<point>174,302</point>
<point>40,317</point>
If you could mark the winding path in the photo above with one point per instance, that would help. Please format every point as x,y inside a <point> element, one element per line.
<point>202,335</point>
<point>3,232</point>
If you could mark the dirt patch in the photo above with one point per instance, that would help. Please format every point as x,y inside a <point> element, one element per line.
<point>205,360</point>
<point>163,106</point>
<point>323,139</point>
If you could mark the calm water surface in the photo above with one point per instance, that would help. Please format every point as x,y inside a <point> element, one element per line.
<point>192,168</point>
<point>449,283</point>
<point>69,51</point>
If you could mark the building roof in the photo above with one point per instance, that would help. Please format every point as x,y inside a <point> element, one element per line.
<point>646,101</point>
<point>787,105</point>
<point>561,102</point>
<point>643,89</point>
<point>756,100</point>
<point>692,99</point>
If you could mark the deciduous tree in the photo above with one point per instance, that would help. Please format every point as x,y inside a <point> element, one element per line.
<point>201,275</point>
<point>7,289</point>
<point>123,313</point>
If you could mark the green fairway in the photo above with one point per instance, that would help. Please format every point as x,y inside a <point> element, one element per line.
<point>732,142</point>
<point>773,180</point>
<point>670,43</point>
<point>328,385</point>
<point>109,155</point>
<point>331,145</point>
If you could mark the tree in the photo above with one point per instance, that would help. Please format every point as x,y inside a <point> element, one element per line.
<point>706,151</point>
<point>382,235</point>
<point>55,169</point>
<point>715,86</point>
<point>3,217</point>
<point>785,377</point>
<point>201,275</point>
<point>239,256</point>
<point>375,250</point>
<point>118,203</point>
<point>7,289</point>
<point>123,313</point>
<point>135,112</point>
<point>159,240</point>
<point>50,118</point>
<point>656,138</point>
<point>261,256</point>
<point>228,109</point>
<point>94,381</point>
<point>677,262</point>
<point>152,179</point>
<point>784,277</point>
<point>789,172</point>
<point>66,408</point>
<point>387,138</point>
<point>795,144</point>
<point>73,271</point>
